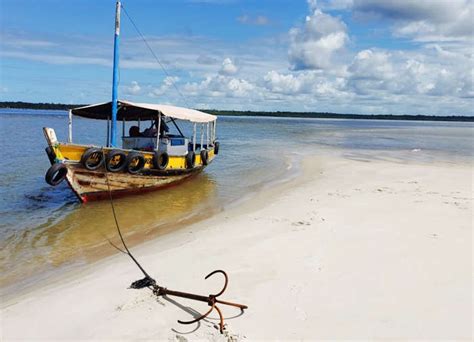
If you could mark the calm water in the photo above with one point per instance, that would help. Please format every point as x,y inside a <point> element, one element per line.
<point>45,229</point>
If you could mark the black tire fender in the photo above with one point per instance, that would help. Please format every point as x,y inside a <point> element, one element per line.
<point>120,165</point>
<point>131,157</point>
<point>56,174</point>
<point>91,152</point>
<point>204,157</point>
<point>190,160</point>
<point>161,160</point>
<point>216,148</point>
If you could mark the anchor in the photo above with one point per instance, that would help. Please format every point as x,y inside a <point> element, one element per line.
<point>158,290</point>
<point>211,299</point>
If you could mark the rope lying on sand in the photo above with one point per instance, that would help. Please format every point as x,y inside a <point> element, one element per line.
<point>158,290</point>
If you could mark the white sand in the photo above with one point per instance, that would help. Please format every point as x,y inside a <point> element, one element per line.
<point>351,250</point>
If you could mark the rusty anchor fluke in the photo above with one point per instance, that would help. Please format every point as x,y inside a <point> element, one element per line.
<point>211,299</point>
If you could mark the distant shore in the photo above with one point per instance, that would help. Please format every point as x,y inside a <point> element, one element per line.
<point>283,114</point>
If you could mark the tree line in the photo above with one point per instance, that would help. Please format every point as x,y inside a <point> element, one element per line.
<point>327,115</point>
<point>28,105</point>
<point>282,114</point>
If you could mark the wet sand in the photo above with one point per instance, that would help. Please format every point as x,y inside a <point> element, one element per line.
<point>351,249</point>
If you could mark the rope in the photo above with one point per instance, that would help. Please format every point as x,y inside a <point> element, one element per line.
<point>127,251</point>
<point>154,55</point>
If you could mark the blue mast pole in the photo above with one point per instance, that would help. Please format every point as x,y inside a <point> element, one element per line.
<point>113,135</point>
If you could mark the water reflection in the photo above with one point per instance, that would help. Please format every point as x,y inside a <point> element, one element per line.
<point>82,235</point>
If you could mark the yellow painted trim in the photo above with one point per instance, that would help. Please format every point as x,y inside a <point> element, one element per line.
<point>73,152</point>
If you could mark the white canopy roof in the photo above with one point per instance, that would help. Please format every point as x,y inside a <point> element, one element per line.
<point>175,112</point>
<point>132,111</point>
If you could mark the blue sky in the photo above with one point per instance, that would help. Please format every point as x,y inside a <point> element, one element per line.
<point>346,56</point>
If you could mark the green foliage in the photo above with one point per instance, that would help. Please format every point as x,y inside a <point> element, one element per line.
<point>326,115</point>
<point>320,115</point>
<point>27,105</point>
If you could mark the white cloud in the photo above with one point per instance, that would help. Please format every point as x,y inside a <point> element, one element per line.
<point>312,68</point>
<point>228,67</point>
<point>259,20</point>
<point>467,89</point>
<point>20,41</point>
<point>133,89</point>
<point>368,64</point>
<point>220,86</point>
<point>412,75</point>
<point>308,82</point>
<point>56,58</point>
<point>167,83</point>
<point>313,5</point>
<point>313,45</point>
<point>206,60</point>
<point>215,2</point>
<point>430,81</point>
<point>373,73</point>
<point>288,83</point>
<point>423,20</point>
<point>335,4</point>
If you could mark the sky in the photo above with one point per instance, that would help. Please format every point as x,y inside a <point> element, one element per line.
<point>341,56</point>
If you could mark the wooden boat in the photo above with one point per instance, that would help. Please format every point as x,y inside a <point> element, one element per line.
<point>146,161</point>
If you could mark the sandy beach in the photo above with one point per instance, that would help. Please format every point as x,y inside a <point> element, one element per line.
<point>350,249</point>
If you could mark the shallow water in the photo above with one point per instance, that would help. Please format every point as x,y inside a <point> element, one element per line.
<point>44,229</point>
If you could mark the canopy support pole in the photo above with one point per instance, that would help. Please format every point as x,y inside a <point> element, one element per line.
<point>108,132</point>
<point>212,133</point>
<point>177,127</point>
<point>207,135</point>
<point>214,127</point>
<point>194,137</point>
<point>115,78</point>
<point>69,138</point>
<point>123,127</point>
<point>202,135</point>
<point>158,132</point>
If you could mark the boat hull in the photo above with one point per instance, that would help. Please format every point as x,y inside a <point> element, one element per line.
<point>90,185</point>
<point>97,185</point>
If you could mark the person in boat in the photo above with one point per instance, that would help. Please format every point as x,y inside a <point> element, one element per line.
<point>134,131</point>
<point>153,129</point>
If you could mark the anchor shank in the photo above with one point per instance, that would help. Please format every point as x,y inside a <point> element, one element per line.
<point>200,298</point>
